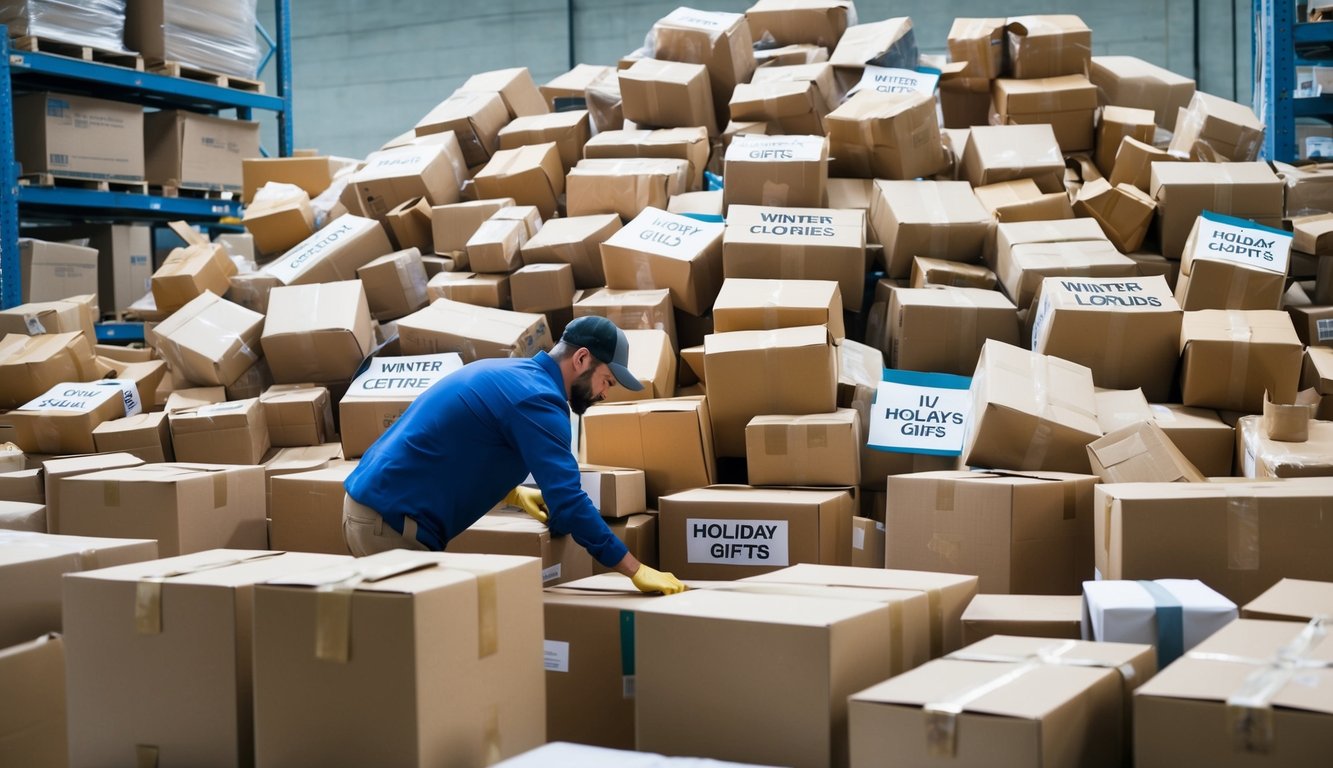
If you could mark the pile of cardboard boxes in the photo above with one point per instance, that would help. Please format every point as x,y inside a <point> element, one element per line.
<point>923,352</point>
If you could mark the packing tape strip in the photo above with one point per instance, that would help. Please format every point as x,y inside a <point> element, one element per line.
<point>1242,530</point>
<point>937,224</point>
<point>775,193</point>
<point>791,262</point>
<point>963,346</point>
<point>1238,286</point>
<point>488,623</point>
<point>148,591</point>
<point>145,755</point>
<point>219,489</point>
<point>775,441</point>
<point>492,736</point>
<point>1170,620</point>
<point>111,493</point>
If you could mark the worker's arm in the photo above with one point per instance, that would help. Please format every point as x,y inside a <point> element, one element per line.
<point>648,579</point>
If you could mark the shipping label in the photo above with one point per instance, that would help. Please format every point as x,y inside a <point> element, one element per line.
<point>923,413</point>
<point>667,234</point>
<point>557,655</point>
<point>298,260</point>
<point>83,397</point>
<point>713,22</point>
<point>1243,242</point>
<point>409,376</point>
<point>551,574</point>
<point>776,148</point>
<point>893,80</point>
<point>736,542</point>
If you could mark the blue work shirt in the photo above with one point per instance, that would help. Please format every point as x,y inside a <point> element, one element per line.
<point>469,440</point>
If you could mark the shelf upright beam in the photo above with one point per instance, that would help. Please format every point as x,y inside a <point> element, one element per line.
<point>282,11</point>
<point>10,282</point>
<point>1274,56</point>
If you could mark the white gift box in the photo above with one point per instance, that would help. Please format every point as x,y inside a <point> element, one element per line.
<point>564,755</point>
<point>1173,615</point>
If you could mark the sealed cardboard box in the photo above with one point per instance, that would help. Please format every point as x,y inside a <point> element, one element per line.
<point>688,144</point>
<point>1048,46</point>
<point>1133,163</point>
<point>79,137</point>
<point>1182,714</point>
<point>1213,129</point>
<point>1262,457</point>
<point>61,420</point>
<point>1127,330</point>
<point>797,64</point>
<point>1199,433</point>
<point>24,486</point>
<point>615,491</point>
<point>381,393</point>
<point>572,84</point>
<point>813,450</point>
<point>575,241</point>
<point>646,309</point>
<point>789,171</point>
<point>1030,412</point>
<point>1185,190</point>
<point>531,175</point>
<point>1229,359</point>
<point>1239,538</point>
<point>1023,200</point>
<point>191,271</point>
<point>453,225</point>
<point>313,174</point>
<point>1140,453</point>
<point>1118,123</point>
<point>317,333</point>
<point>1011,693</point>
<point>514,533</point>
<point>886,136</point>
<point>1127,81</point>
<point>300,707</point>
<point>1020,533</point>
<point>1124,212</point>
<point>306,511</point>
<point>514,86</point>
<point>473,332</point>
<point>746,304</point>
<point>210,340</point>
<point>722,42</point>
<point>1054,616</point>
<point>55,470</point>
<point>30,365</point>
<point>1136,612</point>
<point>624,186</point>
<point>394,284</point>
<point>671,440</point>
<point>1066,103</point>
<point>224,433</point>
<point>568,130</point>
<point>36,318</point>
<point>146,435</point>
<point>1027,252</point>
<point>35,729</point>
<point>200,619</point>
<point>393,176</point>
<point>652,360</point>
<point>943,330</point>
<point>798,244</point>
<point>1291,600</point>
<point>474,118</point>
<point>333,253</point>
<point>788,107</point>
<point>997,153</point>
<point>32,566</point>
<point>279,218</point>
<point>938,219</point>
<point>980,43</point>
<point>494,247</point>
<point>251,290</point>
<point>1231,263</point>
<point>543,287</point>
<point>193,151</point>
<point>817,22</point>
<point>665,94</point>
<point>410,225</point>
<point>297,415</point>
<point>665,250</point>
<point>53,271</point>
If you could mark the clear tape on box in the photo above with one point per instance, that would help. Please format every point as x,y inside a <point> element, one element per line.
<point>96,23</point>
<point>213,35</point>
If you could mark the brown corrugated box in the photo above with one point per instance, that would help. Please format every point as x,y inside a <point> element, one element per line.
<point>514,533</point>
<point>939,219</point>
<point>494,247</point>
<point>1022,200</point>
<point>639,535</point>
<point>575,241</point>
<point>652,360</point>
<point>927,272</point>
<point>297,415</point>
<point>568,130</point>
<point>798,244</point>
<point>664,250</point>
<point>1006,152</point>
<point>1184,190</point>
<point>37,318</point>
<point>395,284</point>
<point>333,253</point>
<point>1132,82</point>
<point>317,333</point>
<point>1263,457</point>
<point>1027,252</point>
<point>514,86</point>
<point>790,107</point>
<point>474,118</point>
<point>624,186</point>
<point>1048,46</point>
<point>981,44</point>
<point>53,271</point>
<point>1118,123</point>
<point>1213,129</point>
<point>146,435</point>
<point>671,440</point>
<point>1054,616</point>
<point>1133,163</point>
<point>410,224</point>
<point>817,22</point>
<point>473,332</point>
<point>61,420</point>
<point>665,94</point>
<point>1123,211</point>
<point>531,175</point>
<point>23,486</point>
<point>886,136</point>
<point>209,341</point>
<point>617,492</point>
<point>1291,600</point>
<point>280,222</point>
<point>394,176</point>
<point>306,510</point>
<point>809,450</point>
<point>746,304</point>
<point>34,730</point>
<point>452,225</point>
<point>79,137</point>
<point>722,42</point>
<point>471,288</point>
<point>1066,103</point>
<point>189,150</point>
<point>233,432</point>
<point>313,174</point>
<point>787,171</point>
<point>689,144</point>
<point>1140,453</point>
<point>543,287</point>
<point>191,271</point>
<point>942,330</point>
<point>1231,357</point>
<point>646,309</point>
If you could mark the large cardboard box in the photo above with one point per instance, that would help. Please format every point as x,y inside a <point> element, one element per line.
<point>191,271</point>
<point>943,330</point>
<point>279,219</point>
<point>32,567</point>
<point>79,137</point>
<point>1126,330</point>
<point>1239,538</point>
<point>937,219</point>
<point>453,225</point>
<point>36,318</point>
<point>667,94</point>
<point>34,726</point>
<point>381,393</point>
<point>671,440</point>
<point>122,267</point>
<point>1262,457</point>
<point>188,150</point>
<point>547,288</point>
<point>514,86</point>
<point>1291,600</point>
<point>817,22</point>
<point>1231,263</point>
<point>1229,359</point>
<point>297,415</point>
<point>494,247</point>
<point>812,450</point>
<point>646,309</point>
<point>624,186</point>
<point>1038,701</point>
<point>1027,252</point>
<point>531,175</point>
<point>1127,81</point>
<point>886,136</point>
<point>146,435</point>
<point>410,224</point>
<point>720,41</point>
<point>1054,616</point>
<point>1124,212</point>
<point>1185,190</point>
<point>1207,441</point>
<point>790,171</point>
<point>159,623</point>
<point>1048,46</point>
<point>209,341</point>
<point>1020,533</point>
<point>306,511</point>
<point>746,304</point>
<point>313,174</point>
<point>688,144</point>
<point>979,43</point>
<point>1204,708</point>
<point>615,491</point>
<point>56,469</point>
<point>391,177</point>
<point>317,333</point>
<point>1140,452</point>
<point>798,244</point>
<point>1023,200</point>
<point>1213,129</point>
<point>333,253</point>
<point>474,118</point>
<point>55,271</point>
<point>30,365</point>
<point>1067,103</point>
<point>514,533</point>
<point>394,284</point>
<point>652,361</point>
<point>473,332</point>
<point>1118,123</point>
<point>665,250</point>
<point>568,130</point>
<point>23,486</point>
<point>789,107</point>
<point>997,153</point>
<point>61,421</point>
<point>1030,412</point>
<point>574,241</point>
<point>1133,163</point>
<point>750,373</point>
<point>233,432</point>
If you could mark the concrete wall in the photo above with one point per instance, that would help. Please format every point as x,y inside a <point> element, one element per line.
<point>367,70</point>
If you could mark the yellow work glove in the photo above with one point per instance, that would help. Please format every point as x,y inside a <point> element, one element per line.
<point>529,500</point>
<point>652,580</point>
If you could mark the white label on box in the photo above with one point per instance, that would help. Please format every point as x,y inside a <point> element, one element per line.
<point>298,259</point>
<point>76,397</point>
<point>748,146</point>
<point>219,408</point>
<point>667,234</point>
<point>1319,146</point>
<point>591,483</point>
<point>35,327</point>
<point>1227,238</point>
<point>688,17</point>
<point>736,542</point>
<point>1324,329</point>
<point>551,574</point>
<point>129,391</point>
<point>893,80</point>
<point>557,655</point>
<point>1161,413</point>
<point>858,537</point>
<point>409,376</point>
<point>627,687</point>
<point>1040,319</point>
<point>920,413</point>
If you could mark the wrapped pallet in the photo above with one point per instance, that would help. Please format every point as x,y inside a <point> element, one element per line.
<point>97,23</point>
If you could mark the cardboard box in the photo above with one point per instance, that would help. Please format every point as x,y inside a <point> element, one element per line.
<point>1213,129</point>
<point>1187,704</point>
<point>514,533</point>
<point>572,84</point>
<point>34,319</point>
<point>652,360</point>
<point>543,287</point>
<point>146,435</point>
<point>279,221</point>
<point>646,309</point>
<point>30,365</point>
<point>1127,81</point>
<point>1185,190</point>
<point>981,44</point>
<point>531,175</point>
<point>927,272</point>
<point>998,153</point>
<point>394,284</point>
<point>1020,533</point>
<point>122,267</point>
<point>1065,102</point>
<point>471,288</point>
<point>473,332</point>
<point>380,394</point>
<point>867,543</point>
<point>886,136</point>
<point>664,250</point>
<point>943,330</point>
<point>394,176</point>
<point>453,225</point>
<point>33,676</point>
<point>1262,457</point>
<point>251,290</point>
<point>1290,600</point>
<point>333,253</point>
<point>1133,163</point>
<point>306,511</point>
<point>746,304</point>
<point>1127,330</point>
<point>192,397</point>
<point>313,174</point>
<point>55,470</point>
<point>569,131</point>
<point>300,707</point>
<point>515,87</point>
<point>624,186</point>
<point>667,94</point>
<point>1048,46</point>
<point>1123,211</point>
<point>615,491</point>
<point>1029,412</point>
<point>224,433</point>
<point>817,22</point>
<point>61,420</point>
<point>678,457</point>
<point>1201,435</point>
<point>811,450</point>
<point>297,415</point>
<point>1016,692</point>
<point>938,219</point>
<point>193,151</point>
<point>475,120</point>
<point>1053,616</point>
<point>191,271</point>
<point>788,107</point>
<point>722,42</point>
<point>200,619</point>
<point>1118,123</point>
<point>1172,615</point>
<point>54,271</point>
<point>688,144</point>
<point>1231,263</point>
<point>410,224</point>
<point>1140,453</point>
<point>494,247</point>
<point>24,486</point>
<point>1022,200</point>
<point>789,171</point>
<point>1256,350</point>
<point>79,137</point>
<point>317,333</point>
<point>1027,252</point>
<point>574,241</point>
<point>210,340</point>
<point>798,244</point>
<point>639,534</point>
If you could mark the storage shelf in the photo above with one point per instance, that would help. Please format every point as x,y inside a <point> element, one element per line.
<point>91,203</point>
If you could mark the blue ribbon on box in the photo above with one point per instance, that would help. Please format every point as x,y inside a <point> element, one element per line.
<point>1170,618</point>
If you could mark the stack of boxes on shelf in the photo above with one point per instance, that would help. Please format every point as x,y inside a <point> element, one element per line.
<point>869,437</point>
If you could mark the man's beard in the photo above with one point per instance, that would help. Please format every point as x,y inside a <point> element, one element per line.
<point>580,393</point>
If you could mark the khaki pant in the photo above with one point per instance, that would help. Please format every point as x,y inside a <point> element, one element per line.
<point>367,533</point>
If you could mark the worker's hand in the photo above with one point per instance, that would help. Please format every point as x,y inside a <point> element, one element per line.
<point>652,580</point>
<point>529,500</point>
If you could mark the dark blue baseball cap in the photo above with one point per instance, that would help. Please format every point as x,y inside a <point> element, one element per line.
<point>607,343</point>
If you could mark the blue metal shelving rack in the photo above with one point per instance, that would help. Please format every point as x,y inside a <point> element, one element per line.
<point>1280,43</point>
<point>45,71</point>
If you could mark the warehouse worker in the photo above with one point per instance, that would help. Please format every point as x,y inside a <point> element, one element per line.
<point>476,434</point>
